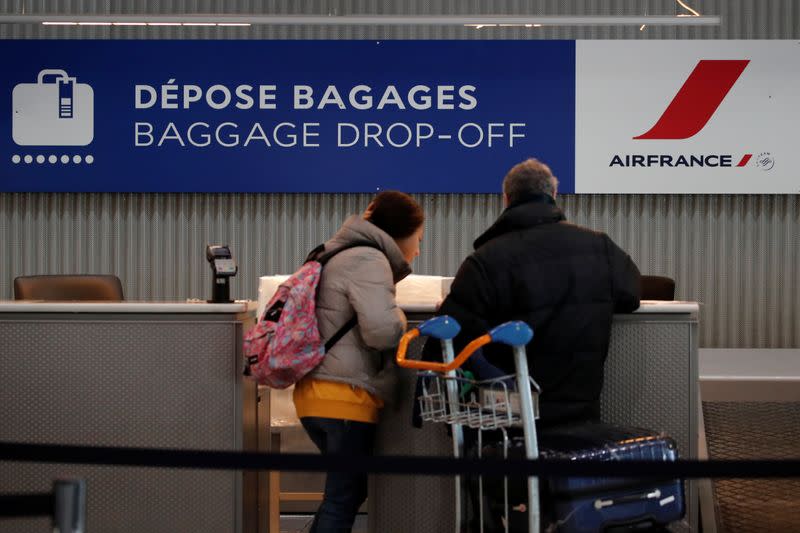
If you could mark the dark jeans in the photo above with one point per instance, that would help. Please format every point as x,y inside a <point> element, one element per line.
<point>344,491</point>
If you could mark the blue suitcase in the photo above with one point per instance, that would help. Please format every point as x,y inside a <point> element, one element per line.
<point>583,505</point>
<point>598,504</point>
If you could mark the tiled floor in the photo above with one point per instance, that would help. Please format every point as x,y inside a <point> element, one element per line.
<point>302,523</point>
<point>755,430</point>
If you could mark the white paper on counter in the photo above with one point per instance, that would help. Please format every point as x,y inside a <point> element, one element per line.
<point>414,293</point>
<point>446,283</point>
<point>416,290</point>
<point>267,285</point>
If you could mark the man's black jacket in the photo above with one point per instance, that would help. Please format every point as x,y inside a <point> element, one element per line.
<point>565,281</point>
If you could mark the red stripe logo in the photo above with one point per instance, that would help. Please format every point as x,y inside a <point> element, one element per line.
<point>698,99</point>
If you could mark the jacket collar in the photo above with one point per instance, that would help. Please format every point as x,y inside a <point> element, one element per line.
<point>356,229</point>
<point>533,210</point>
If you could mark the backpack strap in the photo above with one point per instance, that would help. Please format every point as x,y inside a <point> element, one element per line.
<point>344,330</point>
<point>313,254</point>
<point>322,257</point>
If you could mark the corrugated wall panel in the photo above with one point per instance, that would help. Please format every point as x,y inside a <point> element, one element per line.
<point>735,253</point>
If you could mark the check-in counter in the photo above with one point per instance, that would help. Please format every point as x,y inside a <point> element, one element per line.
<point>131,374</point>
<point>169,375</point>
<point>650,381</point>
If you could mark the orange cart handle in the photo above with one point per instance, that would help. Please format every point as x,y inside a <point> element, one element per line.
<point>433,366</point>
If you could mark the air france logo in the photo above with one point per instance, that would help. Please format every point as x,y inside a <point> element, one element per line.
<point>688,113</point>
<point>698,99</point>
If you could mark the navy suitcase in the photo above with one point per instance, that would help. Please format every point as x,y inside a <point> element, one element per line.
<point>582,505</point>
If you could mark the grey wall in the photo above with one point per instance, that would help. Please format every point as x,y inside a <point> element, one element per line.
<point>735,253</point>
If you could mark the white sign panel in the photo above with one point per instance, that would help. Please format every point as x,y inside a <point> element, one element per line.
<point>687,117</point>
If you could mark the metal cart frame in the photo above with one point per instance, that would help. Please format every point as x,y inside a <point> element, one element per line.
<point>491,404</point>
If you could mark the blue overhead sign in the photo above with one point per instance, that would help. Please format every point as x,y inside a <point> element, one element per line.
<point>282,116</point>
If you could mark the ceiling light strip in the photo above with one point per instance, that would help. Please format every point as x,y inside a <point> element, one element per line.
<point>379,20</point>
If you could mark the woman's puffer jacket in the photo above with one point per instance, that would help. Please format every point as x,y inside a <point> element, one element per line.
<point>361,281</point>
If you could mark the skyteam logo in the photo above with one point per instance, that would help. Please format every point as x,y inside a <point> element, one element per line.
<point>687,114</point>
<point>765,161</point>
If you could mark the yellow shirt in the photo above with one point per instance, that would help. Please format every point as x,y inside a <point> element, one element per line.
<point>330,399</point>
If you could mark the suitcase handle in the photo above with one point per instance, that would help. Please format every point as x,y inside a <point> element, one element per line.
<point>52,72</point>
<point>609,502</point>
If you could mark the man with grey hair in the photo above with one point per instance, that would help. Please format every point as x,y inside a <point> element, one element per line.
<point>528,178</point>
<point>565,281</point>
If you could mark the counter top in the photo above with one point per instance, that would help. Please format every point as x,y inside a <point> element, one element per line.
<point>730,364</point>
<point>241,306</point>
<point>749,374</point>
<point>423,294</point>
<point>34,306</point>
<point>658,306</point>
<point>646,307</point>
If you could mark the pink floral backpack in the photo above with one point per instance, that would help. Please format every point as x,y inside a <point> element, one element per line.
<point>285,344</point>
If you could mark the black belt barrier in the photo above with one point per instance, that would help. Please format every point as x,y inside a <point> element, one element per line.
<point>388,464</point>
<point>26,505</point>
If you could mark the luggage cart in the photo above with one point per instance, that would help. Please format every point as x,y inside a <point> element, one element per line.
<point>459,401</point>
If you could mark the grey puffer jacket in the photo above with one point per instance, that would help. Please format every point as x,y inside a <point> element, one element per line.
<point>361,281</point>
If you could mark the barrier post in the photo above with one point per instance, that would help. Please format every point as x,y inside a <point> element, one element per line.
<point>69,506</point>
